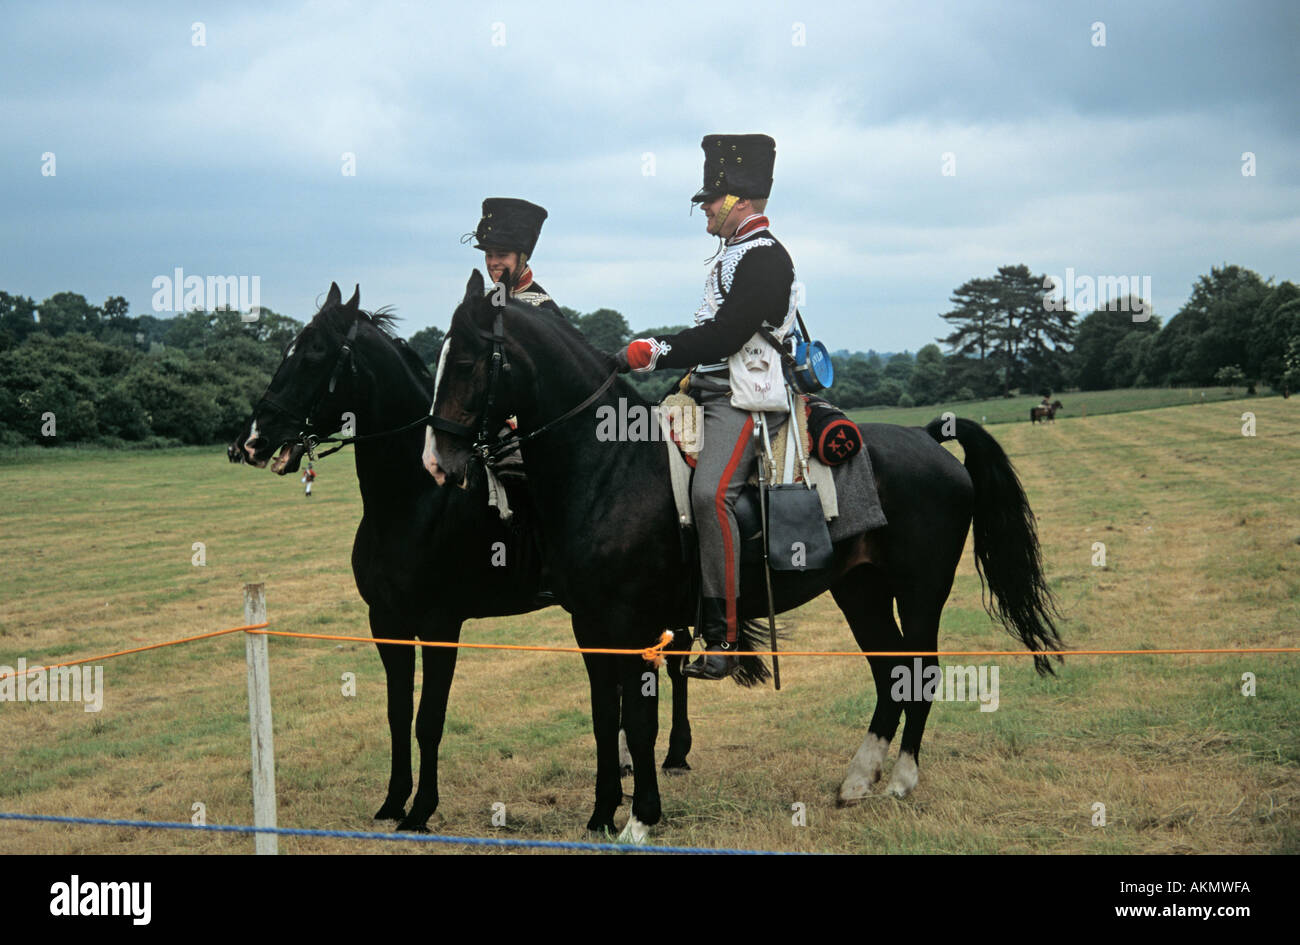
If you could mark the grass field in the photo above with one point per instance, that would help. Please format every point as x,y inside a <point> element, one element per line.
<point>1075,404</point>
<point>1202,534</point>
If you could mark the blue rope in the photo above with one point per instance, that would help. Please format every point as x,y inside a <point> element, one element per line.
<point>408,837</point>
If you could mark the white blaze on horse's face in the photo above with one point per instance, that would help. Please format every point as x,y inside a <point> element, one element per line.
<point>248,443</point>
<point>430,457</point>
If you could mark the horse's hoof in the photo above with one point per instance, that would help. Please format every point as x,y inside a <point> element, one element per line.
<point>676,767</point>
<point>391,812</point>
<point>865,771</point>
<point>635,832</point>
<point>409,825</point>
<point>603,829</point>
<point>905,776</point>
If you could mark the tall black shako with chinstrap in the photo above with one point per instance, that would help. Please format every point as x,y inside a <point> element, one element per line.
<point>737,164</point>
<point>751,283</point>
<point>750,286</point>
<point>511,225</point>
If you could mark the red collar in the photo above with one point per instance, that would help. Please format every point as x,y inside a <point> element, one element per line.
<point>759,222</point>
<point>525,280</point>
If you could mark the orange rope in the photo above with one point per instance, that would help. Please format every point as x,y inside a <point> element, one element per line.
<point>658,648</point>
<point>138,649</point>
<point>652,654</point>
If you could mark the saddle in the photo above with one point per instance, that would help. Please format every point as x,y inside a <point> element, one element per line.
<point>796,460</point>
<point>822,429</point>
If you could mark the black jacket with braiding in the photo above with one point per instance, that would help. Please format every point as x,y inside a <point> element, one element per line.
<point>759,293</point>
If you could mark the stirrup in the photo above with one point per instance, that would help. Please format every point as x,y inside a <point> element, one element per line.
<point>718,661</point>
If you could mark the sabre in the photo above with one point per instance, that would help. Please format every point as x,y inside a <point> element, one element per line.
<point>764,462</point>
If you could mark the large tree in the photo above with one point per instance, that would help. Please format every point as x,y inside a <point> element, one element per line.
<point>1104,355</point>
<point>973,319</point>
<point>1275,324</point>
<point>427,343</point>
<point>606,329</point>
<point>17,319</point>
<point>1044,333</point>
<point>1211,330</point>
<point>1004,321</point>
<point>1029,337</point>
<point>927,382</point>
<point>65,312</point>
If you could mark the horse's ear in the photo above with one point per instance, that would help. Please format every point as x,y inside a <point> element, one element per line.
<point>356,298</point>
<point>474,288</point>
<point>335,296</point>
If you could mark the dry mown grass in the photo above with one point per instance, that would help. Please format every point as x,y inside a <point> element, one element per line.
<point>1200,526</point>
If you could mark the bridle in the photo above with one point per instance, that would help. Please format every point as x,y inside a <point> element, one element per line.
<point>309,440</point>
<point>486,448</point>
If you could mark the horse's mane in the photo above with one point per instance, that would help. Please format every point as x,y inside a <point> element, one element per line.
<point>382,318</point>
<point>584,352</point>
<point>577,341</point>
<point>385,319</point>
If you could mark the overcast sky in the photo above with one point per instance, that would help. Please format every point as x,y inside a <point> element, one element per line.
<point>227,158</point>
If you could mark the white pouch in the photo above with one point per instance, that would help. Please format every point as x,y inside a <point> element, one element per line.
<point>757,380</point>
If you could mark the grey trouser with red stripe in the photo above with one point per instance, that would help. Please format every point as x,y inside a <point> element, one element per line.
<point>725,462</point>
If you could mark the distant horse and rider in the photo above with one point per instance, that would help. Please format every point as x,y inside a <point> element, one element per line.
<point>1045,412</point>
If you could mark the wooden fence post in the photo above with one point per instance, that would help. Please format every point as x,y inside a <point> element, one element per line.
<point>259,720</point>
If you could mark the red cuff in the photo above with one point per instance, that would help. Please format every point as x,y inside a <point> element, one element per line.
<point>644,352</point>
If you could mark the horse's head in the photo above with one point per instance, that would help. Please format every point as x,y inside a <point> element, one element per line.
<point>309,392</point>
<point>503,358</point>
<point>473,388</point>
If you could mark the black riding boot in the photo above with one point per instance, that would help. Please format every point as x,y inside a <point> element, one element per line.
<point>721,659</point>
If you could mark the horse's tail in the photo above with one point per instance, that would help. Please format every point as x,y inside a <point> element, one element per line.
<point>1007,554</point>
<point>753,635</point>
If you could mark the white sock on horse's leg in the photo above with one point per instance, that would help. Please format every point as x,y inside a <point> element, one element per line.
<point>865,769</point>
<point>903,780</point>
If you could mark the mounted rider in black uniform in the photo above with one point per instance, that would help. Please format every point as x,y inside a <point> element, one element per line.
<point>507,233</point>
<point>750,286</point>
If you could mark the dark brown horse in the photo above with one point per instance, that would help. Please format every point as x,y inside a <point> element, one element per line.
<point>1045,414</point>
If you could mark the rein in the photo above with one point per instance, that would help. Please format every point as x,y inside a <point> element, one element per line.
<point>309,441</point>
<point>487,449</point>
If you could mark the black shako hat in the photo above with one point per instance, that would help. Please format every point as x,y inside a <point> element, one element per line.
<point>737,164</point>
<point>510,224</point>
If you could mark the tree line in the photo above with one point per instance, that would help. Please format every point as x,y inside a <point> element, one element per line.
<point>1012,332</point>
<point>104,375</point>
<point>94,373</point>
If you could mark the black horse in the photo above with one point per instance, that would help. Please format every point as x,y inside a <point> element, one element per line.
<point>608,521</point>
<point>425,558</point>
